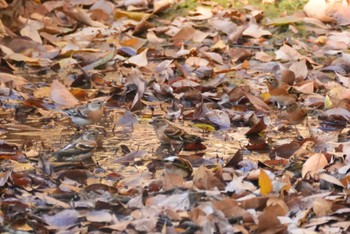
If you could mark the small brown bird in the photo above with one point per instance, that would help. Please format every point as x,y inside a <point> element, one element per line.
<point>280,92</point>
<point>295,114</point>
<point>170,134</point>
<point>86,114</point>
<point>178,165</point>
<point>78,149</point>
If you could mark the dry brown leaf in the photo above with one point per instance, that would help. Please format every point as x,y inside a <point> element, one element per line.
<point>172,180</point>
<point>185,34</point>
<point>203,178</point>
<point>300,69</point>
<point>258,103</point>
<point>231,209</point>
<point>63,219</point>
<point>307,87</point>
<point>268,221</point>
<point>313,165</point>
<point>17,81</point>
<point>322,207</point>
<point>100,216</point>
<point>32,33</point>
<point>214,56</point>
<point>262,56</point>
<point>81,15</point>
<point>4,176</point>
<point>287,53</point>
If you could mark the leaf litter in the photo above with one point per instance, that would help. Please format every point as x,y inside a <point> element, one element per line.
<point>257,169</point>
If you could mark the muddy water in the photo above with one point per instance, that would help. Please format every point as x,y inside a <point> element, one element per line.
<point>38,137</point>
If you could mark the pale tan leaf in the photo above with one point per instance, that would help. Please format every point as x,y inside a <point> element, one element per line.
<point>255,31</point>
<point>18,81</point>
<point>203,178</point>
<point>262,56</point>
<point>32,33</point>
<point>300,69</point>
<point>201,13</point>
<point>61,95</point>
<point>307,88</point>
<point>313,165</point>
<point>287,53</point>
<point>161,5</point>
<point>330,179</point>
<point>197,62</point>
<point>214,56</point>
<point>322,207</point>
<point>140,59</point>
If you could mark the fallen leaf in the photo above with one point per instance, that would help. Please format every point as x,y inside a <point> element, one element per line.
<point>100,216</point>
<point>61,95</point>
<point>257,102</point>
<point>203,178</point>
<point>139,60</point>
<point>63,219</point>
<point>322,207</point>
<point>268,220</point>
<point>255,31</point>
<point>265,183</point>
<point>313,165</point>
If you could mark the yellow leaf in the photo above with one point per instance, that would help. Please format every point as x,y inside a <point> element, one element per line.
<point>205,127</point>
<point>327,103</point>
<point>138,16</point>
<point>264,183</point>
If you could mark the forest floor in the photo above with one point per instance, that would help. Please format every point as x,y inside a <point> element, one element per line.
<point>253,99</point>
